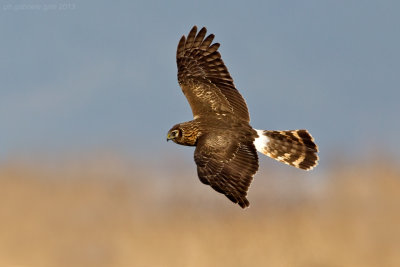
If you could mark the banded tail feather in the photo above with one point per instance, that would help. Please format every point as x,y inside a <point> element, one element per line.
<point>295,148</point>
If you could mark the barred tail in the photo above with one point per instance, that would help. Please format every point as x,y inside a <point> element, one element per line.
<point>296,148</point>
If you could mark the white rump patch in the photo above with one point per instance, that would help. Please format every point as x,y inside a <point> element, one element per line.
<point>261,141</point>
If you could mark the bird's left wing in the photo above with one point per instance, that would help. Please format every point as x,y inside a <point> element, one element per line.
<point>227,165</point>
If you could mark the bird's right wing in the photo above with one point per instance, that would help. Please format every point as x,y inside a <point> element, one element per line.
<point>205,79</point>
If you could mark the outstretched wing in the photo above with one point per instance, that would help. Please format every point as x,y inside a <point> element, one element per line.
<point>227,165</point>
<point>204,78</point>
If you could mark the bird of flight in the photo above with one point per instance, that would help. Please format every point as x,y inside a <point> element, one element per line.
<point>226,144</point>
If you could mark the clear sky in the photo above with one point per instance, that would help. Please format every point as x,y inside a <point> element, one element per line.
<point>81,75</point>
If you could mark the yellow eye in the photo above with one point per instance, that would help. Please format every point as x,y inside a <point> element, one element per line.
<point>174,133</point>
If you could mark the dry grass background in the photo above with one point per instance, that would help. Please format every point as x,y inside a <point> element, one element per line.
<point>106,211</point>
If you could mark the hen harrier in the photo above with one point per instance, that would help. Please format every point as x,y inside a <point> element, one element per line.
<point>226,144</point>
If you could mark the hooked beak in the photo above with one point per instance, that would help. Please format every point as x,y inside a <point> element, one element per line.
<point>168,137</point>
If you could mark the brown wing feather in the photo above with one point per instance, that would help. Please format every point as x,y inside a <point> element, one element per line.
<point>227,165</point>
<point>204,78</point>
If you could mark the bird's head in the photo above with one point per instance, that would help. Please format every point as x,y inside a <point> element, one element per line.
<point>175,134</point>
<point>185,133</point>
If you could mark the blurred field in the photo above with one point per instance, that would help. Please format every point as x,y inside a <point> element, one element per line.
<point>107,211</point>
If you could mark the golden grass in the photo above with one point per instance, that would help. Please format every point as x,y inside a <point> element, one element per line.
<point>104,212</point>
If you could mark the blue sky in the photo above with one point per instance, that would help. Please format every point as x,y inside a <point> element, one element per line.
<point>82,75</point>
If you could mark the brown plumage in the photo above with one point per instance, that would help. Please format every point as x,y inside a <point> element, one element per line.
<point>226,144</point>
